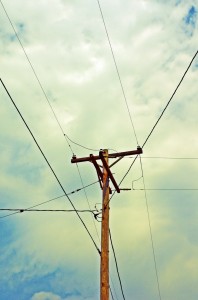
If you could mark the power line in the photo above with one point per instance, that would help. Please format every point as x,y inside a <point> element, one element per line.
<point>149,135</point>
<point>160,189</point>
<point>111,293</point>
<point>113,289</point>
<point>150,229</point>
<point>170,99</point>
<point>146,138</point>
<point>31,65</point>
<point>142,168</point>
<point>49,165</point>
<point>39,82</point>
<point>116,263</point>
<point>21,210</point>
<point>82,146</point>
<point>85,193</point>
<point>133,127</point>
<point>75,143</point>
<point>117,70</point>
<point>41,203</point>
<point>83,187</point>
<point>58,120</point>
<point>75,210</point>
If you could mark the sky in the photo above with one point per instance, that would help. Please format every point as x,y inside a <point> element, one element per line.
<point>57,64</point>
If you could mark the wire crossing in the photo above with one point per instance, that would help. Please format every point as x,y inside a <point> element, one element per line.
<point>47,201</point>
<point>49,165</point>
<point>51,107</point>
<point>42,89</point>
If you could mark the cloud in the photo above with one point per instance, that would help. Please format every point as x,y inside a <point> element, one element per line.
<point>190,20</point>
<point>48,255</point>
<point>45,296</point>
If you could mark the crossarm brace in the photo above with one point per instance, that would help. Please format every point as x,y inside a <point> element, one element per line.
<point>109,171</point>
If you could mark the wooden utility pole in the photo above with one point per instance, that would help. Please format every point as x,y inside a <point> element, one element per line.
<point>104,258</point>
<point>104,176</point>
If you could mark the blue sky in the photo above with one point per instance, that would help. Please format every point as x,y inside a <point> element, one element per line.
<point>49,256</point>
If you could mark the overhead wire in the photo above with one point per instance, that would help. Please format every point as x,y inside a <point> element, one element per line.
<point>75,143</point>
<point>112,297</point>
<point>46,97</point>
<point>146,140</point>
<point>82,146</point>
<point>31,65</point>
<point>42,89</point>
<point>137,144</point>
<point>150,230</point>
<point>160,189</point>
<point>121,85</point>
<point>154,126</point>
<point>117,71</point>
<point>21,210</point>
<point>116,263</point>
<point>55,198</point>
<point>126,102</point>
<point>49,165</point>
<point>83,187</point>
<point>113,289</point>
<point>159,118</point>
<point>85,193</point>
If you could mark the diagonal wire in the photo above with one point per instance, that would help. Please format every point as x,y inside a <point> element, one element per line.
<point>146,140</point>
<point>116,263</point>
<point>55,198</point>
<point>61,186</point>
<point>85,193</point>
<point>49,165</point>
<point>186,71</point>
<point>150,229</point>
<point>111,293</point>
<point>117,70</point>
<point>45,95</point>
<point>132,124</point>
<point>31,65</point>
<point>113,288</point>
<point>150,133</point>
<point>55,116</point>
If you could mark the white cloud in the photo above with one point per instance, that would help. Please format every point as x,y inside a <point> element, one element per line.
<point>45,296</point>
<point>68,47</point>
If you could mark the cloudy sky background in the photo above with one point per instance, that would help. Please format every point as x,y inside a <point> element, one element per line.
<point>47,255</point>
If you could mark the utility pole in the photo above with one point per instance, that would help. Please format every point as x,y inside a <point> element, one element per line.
<point>104,176</point>
<point>104,258</point>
